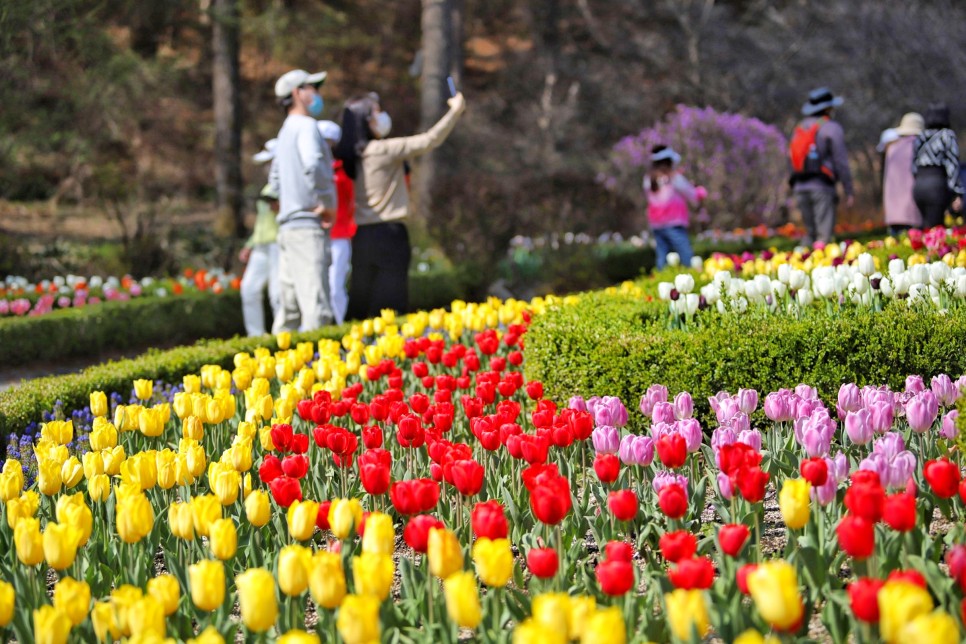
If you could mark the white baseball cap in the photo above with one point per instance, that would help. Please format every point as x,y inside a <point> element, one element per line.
<point>268,153</point>
<point>296,78</point>
<point>330,130</point>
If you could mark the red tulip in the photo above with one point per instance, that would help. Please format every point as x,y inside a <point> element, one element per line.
<point>607,467</point>
<point>678,545</point>
<point>582,422</point>
<point>371,437</point>
<point>741,577</point>
<point>943,477</point>
<point>899,511</point>
<point>550,500</point>
<point>737,456</point>
<point>615,576</point>
<point>692,573</point>
<point>618,551</point>
<point>623,504</point>
<point>281,436</point>
<point>534,449</point>
<point>419,403</point>
<point>359,412</point>
<point>472,407</point>
<point>910,576</point>
<point>420,369</point>
<point>270,469</point>
<point>488,520</point>
<point>732,538</point>
<point>515,357</point>
<point>865,498</point>
<point>299,444</point>
<point>414,496</point>
<point>864,598</point>
<point>956,560</point>
<point>814,470</point>
<point>374,470</point>
<point>306,409</point>
<point>467,477</point>
<point>673,500</point>
<point>285,490</point>
<point>416,532</point>
<point>295,465</point>
<point>542,562</point>
<point>856,536</point>
<point>672,450</point>
<point>322,518</point>
<point>535,390</point>
<point>751,483</point>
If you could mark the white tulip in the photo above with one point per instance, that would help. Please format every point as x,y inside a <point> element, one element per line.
<point>804,297</point>
<point>711,293</point>
<point>866,264</point>
<point>896,266</point>
<point>690,301</point>
<point>751,290</point>
<point>763,283</point>
<point>825,287</point>
<point>673,259</point>
<point>938,271</point>
<point>860,283</point>
<point>901,283</point>
<point>797,279</point>
<point>886,287</point>
<point>684,283</point>
<point>778,288</point>
<point>722,279</point>
<point>697,263</point>
<point>721,306</point>
<point>664,291</point>
<point>918,274</point>
<point>917,291</point>
<point>784,273</point>
<point>741,304</point>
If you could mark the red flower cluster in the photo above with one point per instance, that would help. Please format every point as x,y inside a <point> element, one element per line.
<point>742,465</point>
<point>550,498</point>
<point>615,573</point>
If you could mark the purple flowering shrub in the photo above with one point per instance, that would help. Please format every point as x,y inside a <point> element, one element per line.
<point>740,160</point>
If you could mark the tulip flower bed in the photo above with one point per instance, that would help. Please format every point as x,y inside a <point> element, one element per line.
<point>269,501</point>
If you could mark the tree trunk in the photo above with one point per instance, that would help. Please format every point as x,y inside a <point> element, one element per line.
<point>225,87</point>
<point>436,66</point>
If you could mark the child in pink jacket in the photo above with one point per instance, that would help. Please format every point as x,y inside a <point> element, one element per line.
<point>670,198</point>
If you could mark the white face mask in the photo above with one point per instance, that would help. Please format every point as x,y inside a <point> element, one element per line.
<point>382,125</point>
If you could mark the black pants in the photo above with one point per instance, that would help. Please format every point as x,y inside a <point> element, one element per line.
<point>932,195</point>
<point>380,270</point>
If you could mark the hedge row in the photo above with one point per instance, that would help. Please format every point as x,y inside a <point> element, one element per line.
<point>607,345</point>
<point>21,405</point>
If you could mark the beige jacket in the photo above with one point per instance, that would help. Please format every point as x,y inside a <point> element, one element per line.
<point>381,193</point>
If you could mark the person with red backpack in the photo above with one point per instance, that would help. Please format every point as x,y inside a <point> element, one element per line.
<point>819,161</point>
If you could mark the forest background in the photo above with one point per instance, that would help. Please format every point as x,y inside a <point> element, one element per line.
<point>129,126</point>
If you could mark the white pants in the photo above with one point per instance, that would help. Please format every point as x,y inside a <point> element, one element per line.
<point>303,260</point>
<point>338,272</point>
<point>261,271</point>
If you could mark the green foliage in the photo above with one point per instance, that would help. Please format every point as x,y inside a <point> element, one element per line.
<point>90,330</point>
<point>606,345</point>
<point>20,405</point>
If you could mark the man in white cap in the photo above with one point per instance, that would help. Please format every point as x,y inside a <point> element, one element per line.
<point>260,254</point>
<point>302,176</point>
<point>819,161</point>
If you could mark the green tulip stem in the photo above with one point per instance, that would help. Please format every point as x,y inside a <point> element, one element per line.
<point>429,594</point>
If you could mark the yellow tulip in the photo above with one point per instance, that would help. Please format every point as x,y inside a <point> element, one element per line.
<point>135,518</point>
<point>60,544</point>
<point>196,459</point>
<point>73,598</point>
<point>208,636</point>
<point>73,511</point>
<point>143,389</point>
<point>444,552</point>
<point>93,465</point>
<point>258,510</point>
<point>205,509</point>
<point>358,620</point>
<point>293,569</point>
<point>8,600</point>
<point>12,467</point>
<point>344,515</point>
<point>581,610</point>
<point>380,537</point>
<point>687,612</point>
<point>793,501</point>
<point>284,340</point>
<point>181,520</point>
<point>141,468</point>
<point>71,472</point>
<point>901,602</point>
<point>301,519</point>
<point>296,636</point>
<point>493,559</point>
<point>241,455</point>
<point>192,383</point>
<point>256,598</point>
<point>60,432</point>
<point>373,574</point>
<point>23,507</point>
<point>28,541</point>
<point>146,617</point>
<point>10,487</point>
<point>462,599</point>
<point>166,589</point>
<point>213,412</point>
<point>327,579</point>
<point>193,428</point>
<point>530,631</point>
<point>265,406</point>
<point>98,400</point>
<point>226,486</point>
<point>103,435</point>
<point>48,477</point>
<point>105,624</point>
<point>150,422</point>
<point>223,538</point>
<point>113,458</point>
<point>553,612</point>
<point>207,581</point>
<point>605,626</point>
<point>751,636</point>
<point>774,588</point>
<point>937,627</point>
<point>123,599</point>
<point>51,625</point>
<point>167,464</point>
<point>99,487</point>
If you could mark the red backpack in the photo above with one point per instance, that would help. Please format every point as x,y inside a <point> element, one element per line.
<point>804,154</point>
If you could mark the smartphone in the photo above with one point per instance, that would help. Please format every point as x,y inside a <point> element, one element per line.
<point>452,86</point>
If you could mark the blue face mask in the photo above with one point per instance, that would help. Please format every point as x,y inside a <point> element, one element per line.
<point>315,107</point>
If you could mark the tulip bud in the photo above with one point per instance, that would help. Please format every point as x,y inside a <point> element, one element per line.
<point>143,389</point>
<point>207,581</point>
<point>301,519</point>
<point>494,561</point>
<point>257,508</point>
<point>373,574</point>
<point>293,569</point>
<point>166,590</point>
<point>223,538</point>
<point>444,552</point>
<point>462,599</point>
<point>51,624</point>
<point>358,619</point>
<point>256,599</point>
<point>327,579</point>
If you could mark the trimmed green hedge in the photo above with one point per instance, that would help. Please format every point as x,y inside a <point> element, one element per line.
<point>617,346</point>
<point>20,405</point>
<point>89,330</point>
